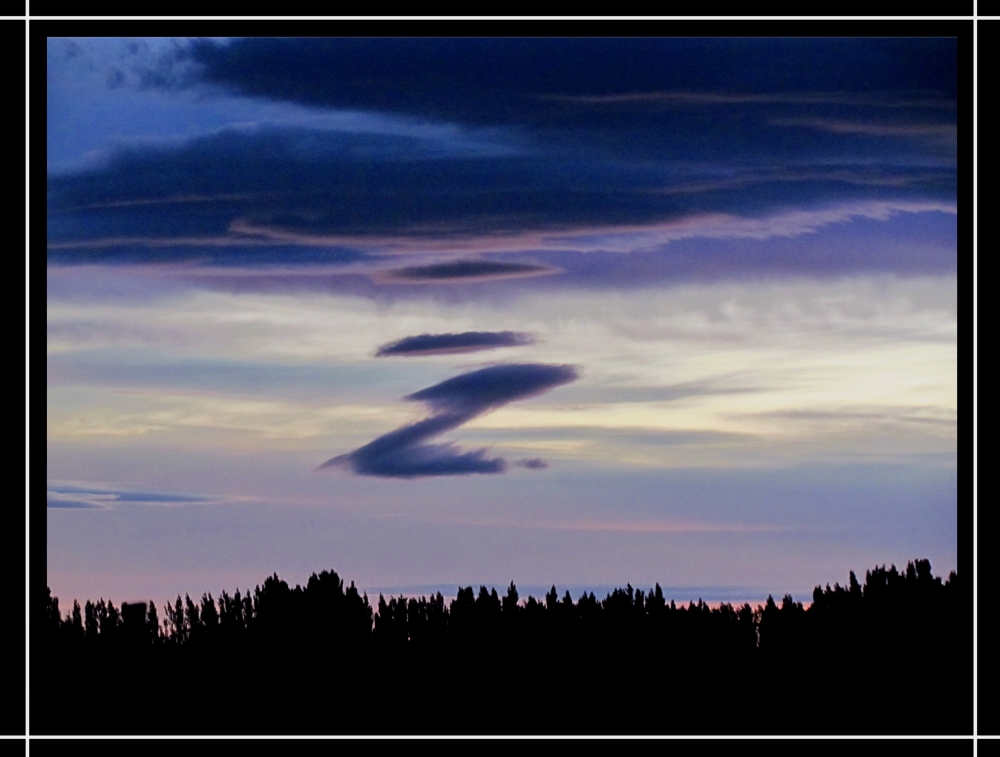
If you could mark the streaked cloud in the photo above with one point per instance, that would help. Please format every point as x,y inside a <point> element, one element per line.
<point>704,374</point>
<point>74,496</point>
<point>939,131</point>
<point>917,238</point>
<point>887,99</point>
<point>208,418</point>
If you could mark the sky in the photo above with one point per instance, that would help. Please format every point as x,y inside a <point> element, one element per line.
<point>442,312</point>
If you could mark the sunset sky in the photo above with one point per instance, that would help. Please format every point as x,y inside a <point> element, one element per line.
<point>433,312</point>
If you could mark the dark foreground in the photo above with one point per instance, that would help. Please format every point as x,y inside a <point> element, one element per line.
<point>890,657</point>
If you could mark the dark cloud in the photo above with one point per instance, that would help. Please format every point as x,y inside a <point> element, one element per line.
<point>403,453</point>
<point>489,388</point>
<point>243,194</point>
<point>466,270</point>
<point>258,199</point>
<point>545,135</point>
<point>545,81</point>
<point>265,192</point>
<point>441,344</point>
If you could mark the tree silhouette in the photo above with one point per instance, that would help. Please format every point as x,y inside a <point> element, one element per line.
<point>631,654</point>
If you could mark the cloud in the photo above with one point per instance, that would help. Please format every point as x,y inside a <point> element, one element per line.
<point>99,498</point>
<point>944,132</point>
<point>464,271</point>
<point>59,501</point>
<point>443,344</point>
<point>403,453</point>
<point>877,100</point>
<point>535,463</point>
<point>254,196</point>
<point>621,238</point>
<point>349,153</point>
<point>490,80</point>
<point>488,388</point>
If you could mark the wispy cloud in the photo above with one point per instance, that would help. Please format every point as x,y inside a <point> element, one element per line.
<point>535,463</point>
<point>404,453</point>
<point>876,100</point>
<point>937,131</point>
<point>59,495</point>
<point>444,344</point>
<point>617,238</point>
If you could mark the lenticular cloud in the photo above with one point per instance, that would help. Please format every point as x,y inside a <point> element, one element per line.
<point>444,344</point>
<point>461,271</point>
<point>405,453</point>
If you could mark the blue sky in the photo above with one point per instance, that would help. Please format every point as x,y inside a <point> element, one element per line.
<point>581,311</point>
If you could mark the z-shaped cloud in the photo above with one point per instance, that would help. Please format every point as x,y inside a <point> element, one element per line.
<point>403,453</point>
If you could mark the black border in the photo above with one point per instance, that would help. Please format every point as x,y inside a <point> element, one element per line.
<point>12,34</point>
<point>322,748</point>
<point>988,655</point>
<point>201,8</point>
<point>40,29</point>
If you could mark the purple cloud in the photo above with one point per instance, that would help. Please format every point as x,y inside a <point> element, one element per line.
<point>464,271</point>
<point>443,344</point>
<point>403,453</point>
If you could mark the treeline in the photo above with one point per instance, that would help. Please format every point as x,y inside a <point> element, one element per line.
<point>326,612</point>
<point>897,634</point>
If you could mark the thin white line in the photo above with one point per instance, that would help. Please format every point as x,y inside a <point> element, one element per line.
<point>27,384</point>
<point>570,735</point>
<point>975,488</point>
<point>506,18</point>
<point>975,16</point>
